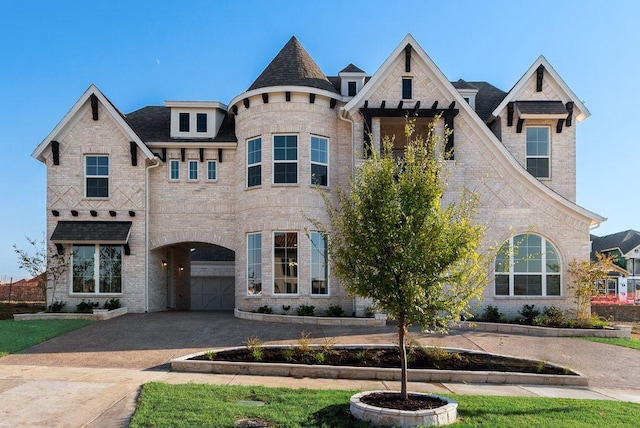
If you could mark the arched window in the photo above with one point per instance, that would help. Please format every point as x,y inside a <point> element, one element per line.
<point>528,265</point>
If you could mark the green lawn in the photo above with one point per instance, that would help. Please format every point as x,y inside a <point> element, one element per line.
<point>18,335</point>
<point>164,405</point>
<point>627,343</point>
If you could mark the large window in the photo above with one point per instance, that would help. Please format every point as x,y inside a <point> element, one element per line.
<point>538,151</point>
<point>193,170</point>
<point>254,162</point>
<point>319,161</point>
<point>174,169</point>
<point>97,176</point>
<point>285,159</point>
<point>319,264</point>
<point>528,265</point>
<point>254,263</point>
<point>285,262</point>
<point>97,269</point>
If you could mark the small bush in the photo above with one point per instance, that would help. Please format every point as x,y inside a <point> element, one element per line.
<point>209,355</point>
<point>254,345</point>
<point>266,309</point>
<point>112,304</point>
<point>491,313</point>
<point>528,313</point>
<point>335,311</point>
<point>553,317</point>
<point>306,310</point>
<point>288,354</point>
<point>437,354</point>
<point>86,307</point>
<point>56,306</point>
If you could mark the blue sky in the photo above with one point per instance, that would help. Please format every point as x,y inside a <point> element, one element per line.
<point>145,52</point>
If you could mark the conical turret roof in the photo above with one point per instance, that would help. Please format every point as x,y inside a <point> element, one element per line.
<point>293,67</point>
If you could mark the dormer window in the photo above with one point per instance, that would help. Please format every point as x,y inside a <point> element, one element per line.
<point>407,89</point>
<point>184,122</point>
<point>201,122</point>
<point>351,89</point>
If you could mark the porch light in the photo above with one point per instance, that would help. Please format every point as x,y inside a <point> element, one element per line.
<point>180,267</point>
<point>164,263</point>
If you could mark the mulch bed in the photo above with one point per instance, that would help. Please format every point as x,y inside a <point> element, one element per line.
<point>391,400</point>
<point>419,358</point>
<point>8,309</point>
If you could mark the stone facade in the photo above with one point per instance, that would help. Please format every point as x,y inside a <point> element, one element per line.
<point>174,215</point>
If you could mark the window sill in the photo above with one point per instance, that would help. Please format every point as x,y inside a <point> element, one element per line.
<point>285,185</point>
<point>253,187</point>
<point>320,296</point>
<point>285,295</point>
<point>526,297</point>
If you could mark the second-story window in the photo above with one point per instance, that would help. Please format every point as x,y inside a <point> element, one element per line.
<point>254,162</point>
<point>193,170</point>
<point>174,169</point>
<point>285,159</point>
<point>319,161</point>
<point>97,176</point>
<point>212,171</point>
<point>351,88</point>
<point>184,122</point>
<point>538,158</point>
<point>201,122</point>
<point>407,89</point>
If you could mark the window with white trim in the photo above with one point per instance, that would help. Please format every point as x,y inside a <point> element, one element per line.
<point>174,170</point>
<point>351,89</point>
<point>97,269</point>
<point>254,162</point>
<point>319,264</point>
<point>407,88</point>
<point>193,170</point>
<point>97,176</point>
<point>285,262</point>
<point>212,170</point>
<point>528,265</point>
<point>285,159</point>
<point>254,263</point>
<point>201,122</point>
<point>184,122</point>
<point>538,151</point>
<point>319,161</point>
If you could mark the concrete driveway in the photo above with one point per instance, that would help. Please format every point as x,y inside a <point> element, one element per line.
<point>90,377</point>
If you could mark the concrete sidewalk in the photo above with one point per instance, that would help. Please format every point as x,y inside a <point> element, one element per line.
<point>91,377</point>
<point>39,396</point>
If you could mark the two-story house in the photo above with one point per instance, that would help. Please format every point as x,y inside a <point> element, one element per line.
<point>131,198</point>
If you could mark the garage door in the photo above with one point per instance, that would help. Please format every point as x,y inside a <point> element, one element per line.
<point>212,293</point>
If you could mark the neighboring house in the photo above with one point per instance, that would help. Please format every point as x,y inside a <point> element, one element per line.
<point>623,283</point>
<point>130,195</point>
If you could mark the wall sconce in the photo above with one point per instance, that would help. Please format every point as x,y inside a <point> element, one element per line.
<point>164,263</point>
<point>180,267</point>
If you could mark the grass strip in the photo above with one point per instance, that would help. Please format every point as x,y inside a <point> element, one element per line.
<point>627,343</point>
<point>18,335</point>
<point>187,405</point>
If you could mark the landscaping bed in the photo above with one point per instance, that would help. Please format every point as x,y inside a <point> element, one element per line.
<point>7,310</point>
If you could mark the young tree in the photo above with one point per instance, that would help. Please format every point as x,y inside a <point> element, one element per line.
<point>392,240</point>
<point>48,267</point>
<point>585,275</point>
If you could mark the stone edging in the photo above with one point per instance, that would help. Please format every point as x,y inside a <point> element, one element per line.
<point>379,416</point>
<point>184,364</point>
<point>97,315</point>
<point>294,319</point>
<point>618,331</point>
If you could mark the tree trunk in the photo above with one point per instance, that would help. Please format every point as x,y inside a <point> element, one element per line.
<point>402,330</point>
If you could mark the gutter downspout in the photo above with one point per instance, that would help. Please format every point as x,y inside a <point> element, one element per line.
<point>353,140</point>
<point>146,232</point>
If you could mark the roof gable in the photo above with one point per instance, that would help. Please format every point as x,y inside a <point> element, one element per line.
<point>293,66</point>
<point>549,73</point>
<point>445,87</point>
<point>115,114</point>
<point>625,241</point>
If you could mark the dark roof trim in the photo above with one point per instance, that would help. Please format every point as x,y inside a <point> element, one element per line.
<point>542,108</point>
<point>98,232</point>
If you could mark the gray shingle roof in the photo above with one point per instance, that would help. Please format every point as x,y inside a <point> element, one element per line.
<point>351,69</point>
<point>487,98</point>
<point>151,123</point>
<point>463,84</point>
<point>541,107</point>
<point>114,232</point>
<point>626,241</point>
<point>293,67</point>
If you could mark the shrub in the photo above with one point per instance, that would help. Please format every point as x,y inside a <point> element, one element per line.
<point>266,309</point>
<point>306,310</point>
<point>112,304</point>
<point>527,314</point>
<point>555,317</point>
<point>335,311</point>
<point>56,306</point>
<point>491,313</point>
<point>209,355</point>
<point>254,345</point>
<point>86,307</point>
